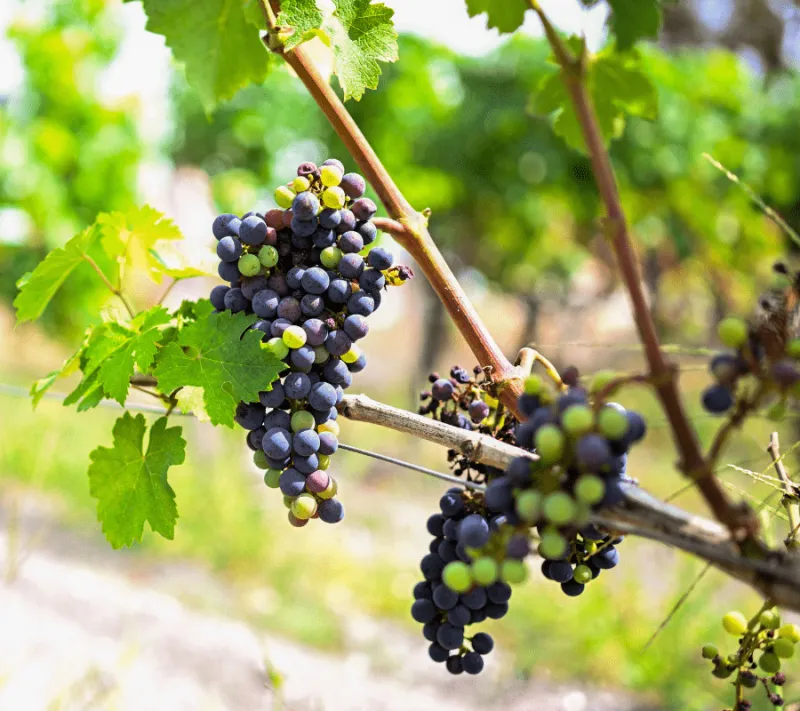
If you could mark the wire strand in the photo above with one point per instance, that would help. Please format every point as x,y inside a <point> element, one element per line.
<point>17,391</point>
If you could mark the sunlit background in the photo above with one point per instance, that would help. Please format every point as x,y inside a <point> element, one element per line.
<point>241,611</point>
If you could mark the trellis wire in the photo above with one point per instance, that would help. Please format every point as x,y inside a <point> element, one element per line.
<point>16,391</point>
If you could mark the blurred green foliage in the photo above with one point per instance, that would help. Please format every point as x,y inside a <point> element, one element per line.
<point>66,155</point>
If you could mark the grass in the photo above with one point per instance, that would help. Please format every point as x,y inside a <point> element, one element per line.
<point>308,580</point>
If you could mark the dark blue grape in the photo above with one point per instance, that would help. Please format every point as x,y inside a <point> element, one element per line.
<point>339,291</point>
<point>499,495</point>
<point>347,221</point>
<point>363,209</point>
<point>279,325</point>
<point>560,571</point>
<point>482,643</point>
<point>444,598</point>
<point>292,483</point>
<point>472,663</point>
<point>225,226</point>
<point>459,616</point>
<point>371,280</point>
<point>323,238</point>
<point>380,258</point>
<point>361,303</point>
<point>265,303</point>
<point>358,364</point>
<point>429,629</point>
<point>328,444</point>
<point>294,277</point>
<point>422,590</point>
<point>473,531</point>
<point>447,551</point>
<point>305,205</point>
<point>289,308</point>
<point>496,610</point>
<point>572,588</point>
<point>431,566</point>
<point>435,524</point>
<point>277,418</point>
<point>305,443</point>
<point>717,399</point>
<point>423,610</point>
<point>273,398</point>
<point>306,465</point>
<point>250,287</point>
<point>353,185</point>
<point>277,443</point>
<point>368,231</point>
<point>315,280</point>
<point>499,592</point>
<point>450,636</point>
<point>451,504</point>
<point>518,546</point>
<point>351,266</point>
<point>228,271</point>
<point>475,599</point>
<point>253,230</point>
<point>298,386</point>
<point>322,396</point>
<point>217,296</point>
<point>254,438</point>
<point>607,558</point>
<point>235,301</point>
<point>329,219</point>
<point>229,249</point>
<point>592,452</point>
<point>351,242</point>
<point>302,358</point>
<point>338,343</point>
<point>438,653</point>
<point>249,415</point>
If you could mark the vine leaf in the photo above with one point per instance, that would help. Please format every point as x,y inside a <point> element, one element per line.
<point>306,19</point>
<point>503,15</point>
<point>632,20</point>
<point>130,485</point>
<point>114,349</point>
<point>618,88</point>
<point>38,287</point>
<point>130,237</point>
<point>42,385</point>
<point>216,40</point>
<point>220,355</point>
<point>362,34</point>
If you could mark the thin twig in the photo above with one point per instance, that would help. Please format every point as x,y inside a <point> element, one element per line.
<point>738,518</point>
<point>113,289</point>
<point>789,501</point>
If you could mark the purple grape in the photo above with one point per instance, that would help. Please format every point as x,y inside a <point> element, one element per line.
<point>380,258</point>
<point>363,209</point>
<point>353,185</point>
<point>217,296</point>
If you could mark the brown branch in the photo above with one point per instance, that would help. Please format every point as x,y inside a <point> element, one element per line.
<point>413,234</point>
<point>739,519</point>
<point>790,497</point>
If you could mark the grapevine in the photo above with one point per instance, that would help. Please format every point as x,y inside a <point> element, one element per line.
<point>541,462</point>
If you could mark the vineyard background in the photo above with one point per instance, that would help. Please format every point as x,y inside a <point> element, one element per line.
<point>230,606</point>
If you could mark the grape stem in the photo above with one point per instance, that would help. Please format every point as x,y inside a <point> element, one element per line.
<point>790,502</point>
<point>407,225</point>
<point>602,395</point>
<point>529,357</point>
<point>740,519</point>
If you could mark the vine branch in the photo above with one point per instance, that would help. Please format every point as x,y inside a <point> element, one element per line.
<point>738,518</point>
<point>790,502</point>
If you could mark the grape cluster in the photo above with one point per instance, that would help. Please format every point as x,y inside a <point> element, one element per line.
<point>459,590</point>
<point>308,273</point>
<point>764,635</point>
<point>464,400</point>
<point>582,448</point>
<point>758,350</point>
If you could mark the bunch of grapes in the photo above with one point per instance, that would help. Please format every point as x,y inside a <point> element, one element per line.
<point>582,448</point>
<point>464,400</point>
<point>459,590</point>
<point>766,636</point>
<point>307,272</point>
<point>759,352</point>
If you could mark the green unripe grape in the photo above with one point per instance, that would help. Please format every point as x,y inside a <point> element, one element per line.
<point>582,574</point>
<point>710,651</point>
<point>513,572</point>
<point>600,379</point>
<point>272,478</point>
<point>484,571</point>
<point>732,332</point>
<point>294,337</point>
<point>559,507</point>
<point>528,505</point>
<point>287,501</point>
<point>590,547</point>
<point>321,354</point>
<point>783,648</point>
<point>552,545</point>
<point>330,257</point>
<point>324,461</point>
<point>302,420</point>
<point>268,256</point>
<point>331,426</point>
<point>533,385</point>
<point>304,506</point>
<point>330,491</point>
<point>334,198</point>
<point>722,671</point>
<point>770,619</point>
<point>352,355</point>
<point>330,175</point>
<point>260,459</point>
<point>790,631</point>
<point>457,577</point>
<point>300,184</point>
<point>549,443</point>
<point>284,197</point>
<point>793,349</point>
<point>734,623</point>
<point>577,420</point>
<point>590,489</point>
<point>770,663</point>
<point>612,423</point>
<point>277,347</point>
<point>249,265</point>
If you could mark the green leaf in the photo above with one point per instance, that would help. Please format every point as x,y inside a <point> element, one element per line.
<point>217,40</point>
<point>41,386</point>
<point>304,16</point>
<point>38,288</point>
<point>362,34</point>
<point>632,20</point>
<point>159,266</point>
<point>503,15</point>
<point>221,356</point>
<point>129,237</point>
<point>114,350</point>
<point>618,88</point>
<point>88,394</point>
<point>190,400</point>
<point>130,485</point>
